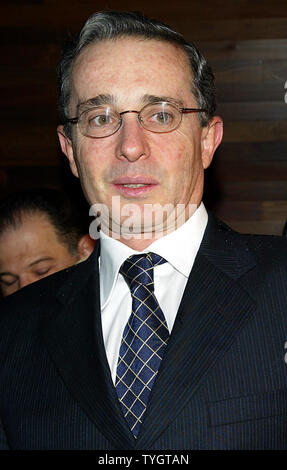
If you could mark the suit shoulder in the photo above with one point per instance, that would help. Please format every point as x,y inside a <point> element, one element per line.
<point>260,245</point>
<point>237,253</point>
<point>271,247</point>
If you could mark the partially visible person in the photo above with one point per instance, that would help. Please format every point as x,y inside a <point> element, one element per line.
<point>40,233</point>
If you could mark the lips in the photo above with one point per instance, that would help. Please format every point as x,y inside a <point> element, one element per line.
<point>134,186</point>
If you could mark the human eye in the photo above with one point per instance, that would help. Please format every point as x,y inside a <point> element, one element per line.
<point>162,117</point>
<point>42,268</point>
<point>159,116</point>
<point>99,118</point>
<point>42,271</point>
<point>8,280</point>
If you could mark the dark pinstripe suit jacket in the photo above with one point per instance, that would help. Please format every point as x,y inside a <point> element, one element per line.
<point>222,383</point>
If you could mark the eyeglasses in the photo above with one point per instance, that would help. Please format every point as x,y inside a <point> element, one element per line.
<point>103,121</point>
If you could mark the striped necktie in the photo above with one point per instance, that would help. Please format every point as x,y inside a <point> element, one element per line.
<point>144,339</point>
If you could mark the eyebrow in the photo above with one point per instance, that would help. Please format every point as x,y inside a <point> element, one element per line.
<point>48,258</point>
<point>149,99</point>
<point>103,99</point>
<point>98,100</point>
<point>7,273</point>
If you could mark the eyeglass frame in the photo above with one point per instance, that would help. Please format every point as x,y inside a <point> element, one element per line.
<point>75,120</point>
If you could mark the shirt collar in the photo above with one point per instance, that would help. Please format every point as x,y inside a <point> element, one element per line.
<point>179,248</point>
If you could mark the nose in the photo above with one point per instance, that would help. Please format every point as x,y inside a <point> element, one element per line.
<point>132,143</point>
<point>25,280</point>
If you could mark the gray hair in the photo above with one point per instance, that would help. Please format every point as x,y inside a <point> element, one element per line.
<point>111,25</point>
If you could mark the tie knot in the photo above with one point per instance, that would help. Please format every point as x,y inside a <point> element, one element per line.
<point>138,269</point>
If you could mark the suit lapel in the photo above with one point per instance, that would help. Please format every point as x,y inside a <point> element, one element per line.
<point>213,310</point>
<point>74,339</point>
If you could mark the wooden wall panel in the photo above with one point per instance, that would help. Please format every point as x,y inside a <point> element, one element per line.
<point>246,44</point>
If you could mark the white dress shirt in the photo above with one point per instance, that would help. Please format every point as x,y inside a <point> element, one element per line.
<point>179,248</point>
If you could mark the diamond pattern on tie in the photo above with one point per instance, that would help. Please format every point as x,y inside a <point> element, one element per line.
<point>144,339</point>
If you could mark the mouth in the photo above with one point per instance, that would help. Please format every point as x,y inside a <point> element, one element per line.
<point>134,186</point>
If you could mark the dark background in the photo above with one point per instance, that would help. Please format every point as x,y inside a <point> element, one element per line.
<point>245,42</point>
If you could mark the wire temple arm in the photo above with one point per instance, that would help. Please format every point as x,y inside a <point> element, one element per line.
<point>190,110</point>
<point>72,120</point>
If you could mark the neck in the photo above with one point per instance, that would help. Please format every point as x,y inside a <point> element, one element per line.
<point>140,240</point>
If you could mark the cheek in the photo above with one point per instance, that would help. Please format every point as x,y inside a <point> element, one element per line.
<point>90,159</point>
<point>184,166</point>
<point>94,161</point>
<point>181,156</point>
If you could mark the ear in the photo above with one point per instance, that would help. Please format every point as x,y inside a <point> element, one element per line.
<point>85,247</point>
<point>67,149</point>
<point>210,139</point>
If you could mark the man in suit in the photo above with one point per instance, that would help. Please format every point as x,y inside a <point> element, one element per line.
<point>172,334</point>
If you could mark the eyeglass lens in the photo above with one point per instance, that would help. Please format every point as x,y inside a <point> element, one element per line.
<point>103,120</point>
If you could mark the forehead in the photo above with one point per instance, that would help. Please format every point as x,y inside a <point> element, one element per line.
<point>33,238</point>
<point>33,241</point>
<point>129,68</point>
<point>34,229</point>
